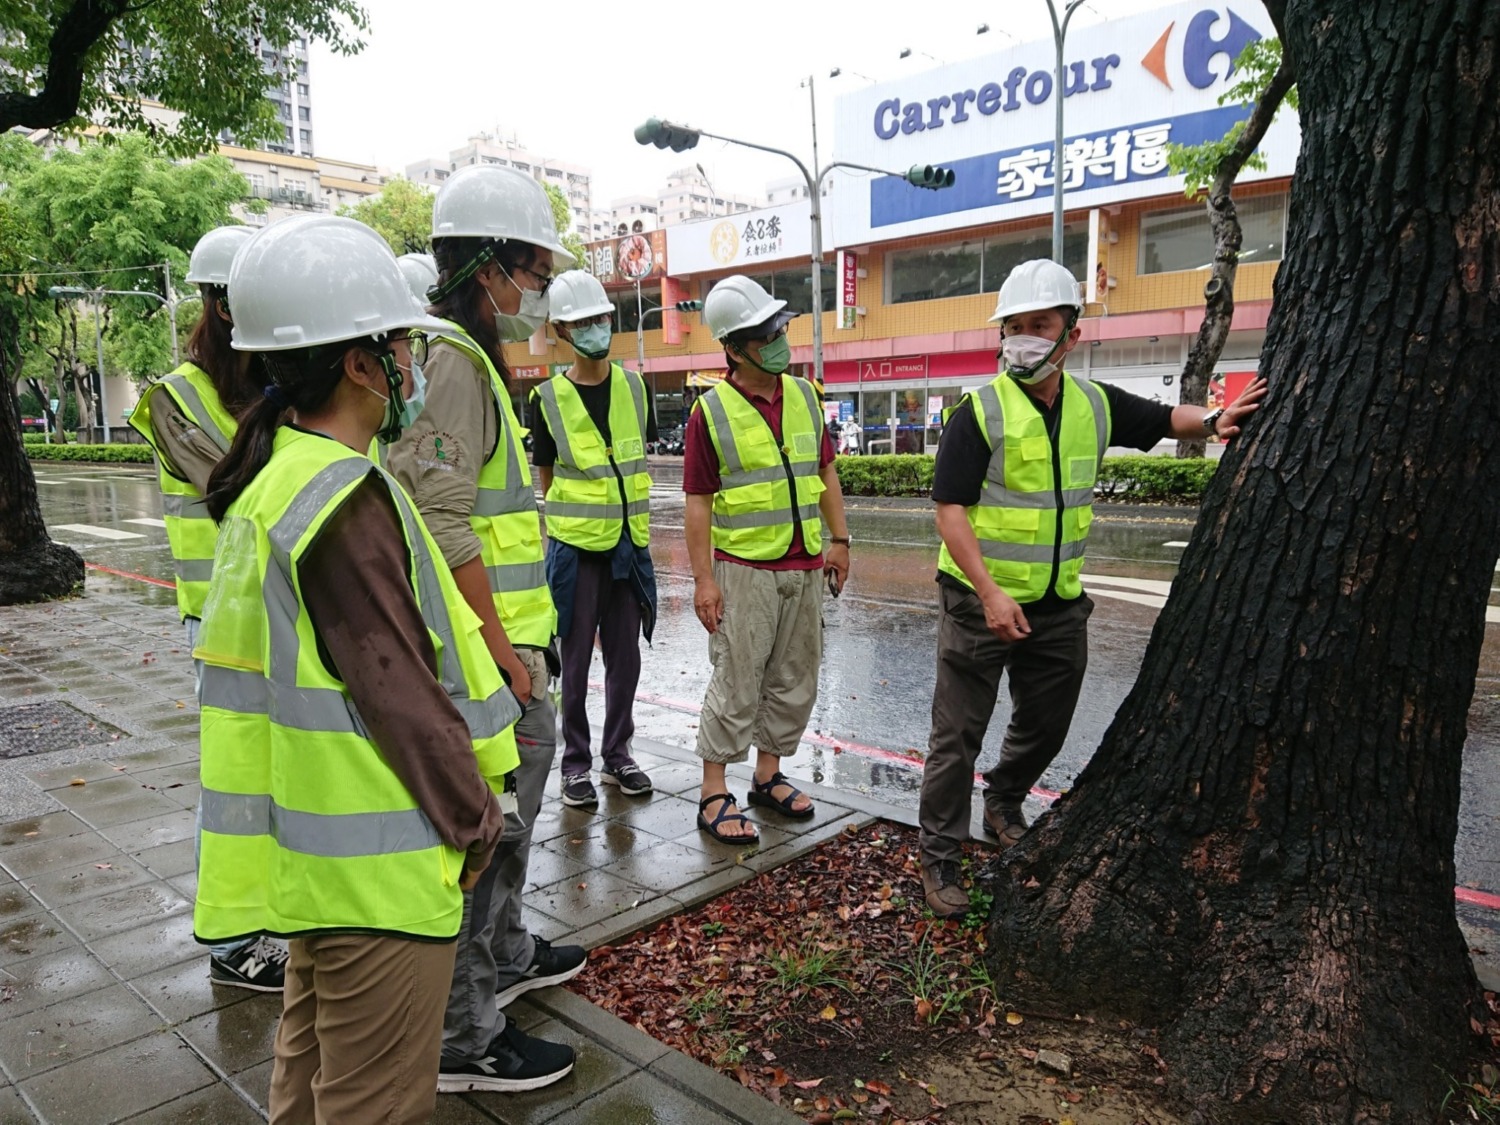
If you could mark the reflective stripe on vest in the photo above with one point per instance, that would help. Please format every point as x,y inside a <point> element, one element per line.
<point>191,532</point>
<point>1029,544</point>
<point>505,517</point>
<point>304,826</point>
<point>596,488</point>
<point>765,488</point>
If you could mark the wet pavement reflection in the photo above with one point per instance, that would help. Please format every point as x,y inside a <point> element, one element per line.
<point>871,721</point>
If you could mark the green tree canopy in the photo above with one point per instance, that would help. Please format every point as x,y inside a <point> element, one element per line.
<point>562,215</point>
<point>65,63</point>
<point>401,214</point>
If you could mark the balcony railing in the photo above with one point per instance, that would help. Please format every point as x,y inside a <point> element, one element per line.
<point>301,198</point>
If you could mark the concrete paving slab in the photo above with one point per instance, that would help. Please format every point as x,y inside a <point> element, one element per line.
<point>644,1099</point>
<point>151,948</point>
<point>13,1108</point>
<point>69,851</point>
<point>117,1084</point>
<point>73,1029</point>
<point>170,860</point>
<point>65,885</point>
<point>140,835</point>
<point>592,897</point>
<point>684,1073</point>
<point>36,936</point>
<point>601,1026</point>
<point>49,979</point>
<point>212,1105</point>
<point>256,1083</point>
<point>123,910</point>
<point>38,829</point>
<point>239,1036</point>
<point>597,843</point>
<point>183,991</point>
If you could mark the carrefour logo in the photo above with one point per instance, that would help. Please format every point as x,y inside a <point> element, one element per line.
<point>1207,35</point>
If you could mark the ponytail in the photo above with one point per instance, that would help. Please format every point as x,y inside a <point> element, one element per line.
<point>247,455</point>
<point>304,380</point>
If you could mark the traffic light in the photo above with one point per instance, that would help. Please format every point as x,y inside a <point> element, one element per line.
<point>932,176</point>
<point>664,134</point>
<point>689,306</point>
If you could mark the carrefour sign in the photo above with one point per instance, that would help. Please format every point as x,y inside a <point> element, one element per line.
<point>1129,86</point>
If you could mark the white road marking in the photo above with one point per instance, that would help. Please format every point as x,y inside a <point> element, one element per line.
<point>149,521</point>
<point>97,532</point>
<point>1183,543</point>
<point>1149,585</point>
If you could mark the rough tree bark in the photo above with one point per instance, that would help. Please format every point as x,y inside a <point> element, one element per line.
<point>76,33</point>
<point>32,567</point>
<point>1218,291</point>
<point>1259,858</point>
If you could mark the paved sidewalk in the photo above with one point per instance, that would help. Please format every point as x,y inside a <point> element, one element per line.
<point>106,1010</point>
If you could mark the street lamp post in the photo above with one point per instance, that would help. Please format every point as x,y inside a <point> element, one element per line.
<point>97,296</point>
<point>666,134</point>
<point>1059,37</point>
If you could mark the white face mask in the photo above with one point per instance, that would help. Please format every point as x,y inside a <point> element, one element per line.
<point>1028,358</point>
<point>521,325</point>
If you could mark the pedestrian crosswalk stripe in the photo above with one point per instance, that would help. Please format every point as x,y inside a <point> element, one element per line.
<point>149,521</point>
<point>97,532</point>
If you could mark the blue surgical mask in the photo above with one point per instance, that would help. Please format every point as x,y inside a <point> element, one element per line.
<point>592,341</point>
<point>411,407</point>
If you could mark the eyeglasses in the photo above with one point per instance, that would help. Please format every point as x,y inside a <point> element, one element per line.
<point>542,279</point>
<point>589,322</point>
<point>417,343</point>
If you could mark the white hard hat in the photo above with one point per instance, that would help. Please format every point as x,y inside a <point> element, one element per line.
<point>214,253</point>
<point>1038,284</point>
<point>492,201</point>
<point>737,302</point>
<point>421,273</point>
<point>576,295</point>
<point>317,279</point>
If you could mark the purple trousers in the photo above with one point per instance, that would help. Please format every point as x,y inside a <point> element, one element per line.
<point>607,608</point>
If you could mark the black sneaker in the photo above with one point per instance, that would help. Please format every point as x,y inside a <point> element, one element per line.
<point>550,964</point>
<point>578,792</point>
<point>514,1062</point>
<point>631,779</point>
<point>259,966</point>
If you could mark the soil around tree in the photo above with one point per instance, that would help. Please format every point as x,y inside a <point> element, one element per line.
<point>827,987</point>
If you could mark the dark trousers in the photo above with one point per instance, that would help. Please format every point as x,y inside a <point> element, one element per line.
<point>607,607</point>
<point>1046,671</point>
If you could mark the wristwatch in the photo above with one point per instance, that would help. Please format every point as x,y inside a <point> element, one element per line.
<point>1211,421</point>
<point>844,539</point>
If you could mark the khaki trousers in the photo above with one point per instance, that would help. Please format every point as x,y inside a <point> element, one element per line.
<point>765,657</point>
<point>1046,672</point>
<point>361,1030</point>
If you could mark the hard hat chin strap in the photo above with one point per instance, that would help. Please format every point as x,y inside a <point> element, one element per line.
<point>488,252</point>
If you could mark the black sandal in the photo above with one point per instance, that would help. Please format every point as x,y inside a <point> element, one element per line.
<point>712,826</point>
<point>760,795</point>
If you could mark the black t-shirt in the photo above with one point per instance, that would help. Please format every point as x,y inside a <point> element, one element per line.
<point>596,402</point>
<point>963,459</point>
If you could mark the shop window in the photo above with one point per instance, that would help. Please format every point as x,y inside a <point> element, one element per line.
<point>933,272</point>
<point>1005,252</point>
<point>794,286</point>
<point>1183,239</point>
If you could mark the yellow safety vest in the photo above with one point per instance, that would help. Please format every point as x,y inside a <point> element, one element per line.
<point>506,520</point>
<point>1032,519</point>
<point>190,530</point>
<point>765,488</point>
<point>304,827</point>
<point>595,487</point>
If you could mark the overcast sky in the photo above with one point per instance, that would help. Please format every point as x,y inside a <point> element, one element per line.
<point>571,80</point>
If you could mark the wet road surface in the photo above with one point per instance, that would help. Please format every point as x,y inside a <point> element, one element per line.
<point>871,721</point>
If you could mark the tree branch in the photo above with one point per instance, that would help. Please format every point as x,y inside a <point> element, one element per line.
<point>1218,293</point>
<point>75,35</point>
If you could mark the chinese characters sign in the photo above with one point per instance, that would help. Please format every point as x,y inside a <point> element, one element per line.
<point>624,260</point>
<point>848,268</point>
<point>1020,176</point>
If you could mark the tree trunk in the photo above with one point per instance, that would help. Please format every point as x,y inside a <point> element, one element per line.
<point>32,567</point>
<point>1259,858</point>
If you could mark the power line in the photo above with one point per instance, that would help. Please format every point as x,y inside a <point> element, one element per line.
<point>82,273</point>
